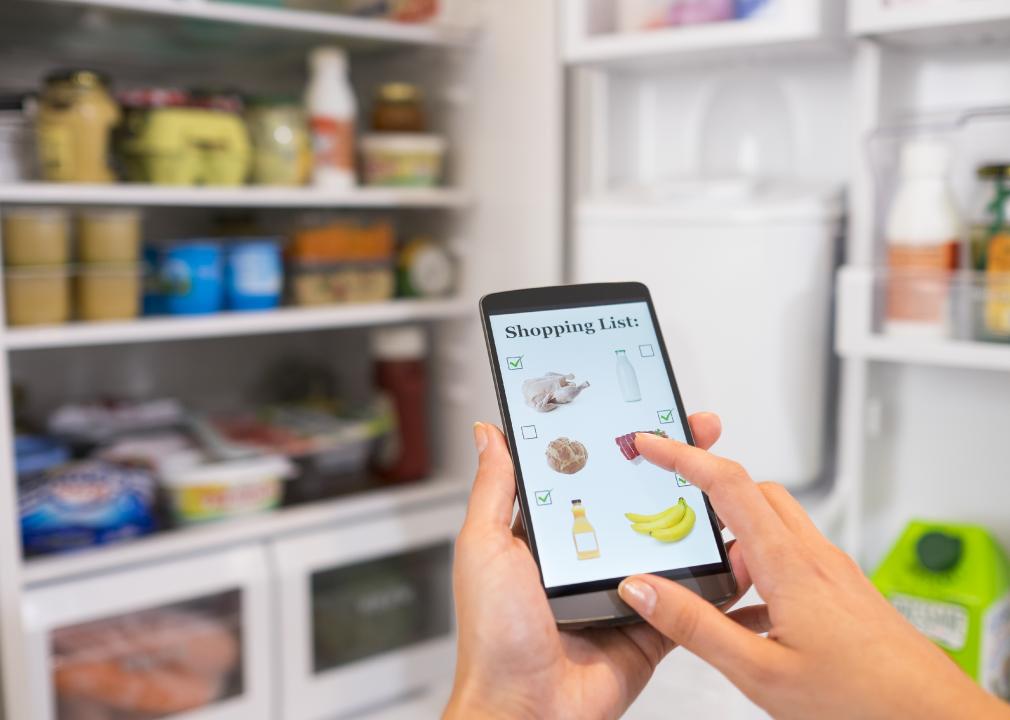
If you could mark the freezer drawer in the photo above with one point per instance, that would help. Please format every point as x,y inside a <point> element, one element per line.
<point>365,611</point>
<point>186,640</point>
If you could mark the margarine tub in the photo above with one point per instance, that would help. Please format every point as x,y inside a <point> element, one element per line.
<point>216,491</point>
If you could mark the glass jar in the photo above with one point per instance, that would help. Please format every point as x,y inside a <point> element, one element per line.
<point>282,153</point>
<point>990,252</point>
<point>398,109</point>
<point>75,118</point>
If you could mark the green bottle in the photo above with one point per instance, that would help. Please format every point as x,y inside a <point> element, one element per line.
<point>953,583</point>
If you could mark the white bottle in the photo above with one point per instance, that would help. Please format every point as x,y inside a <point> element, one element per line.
<point>627,378</point>
<point>332,110</point>
<point>923,243</point>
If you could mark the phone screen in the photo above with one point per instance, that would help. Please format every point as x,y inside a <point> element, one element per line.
<point>578,383</point>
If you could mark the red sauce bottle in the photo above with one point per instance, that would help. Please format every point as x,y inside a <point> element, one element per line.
<point>400,373</point>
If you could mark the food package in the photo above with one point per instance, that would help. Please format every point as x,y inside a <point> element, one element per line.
<point>143,665</point>
<point>566,456</point>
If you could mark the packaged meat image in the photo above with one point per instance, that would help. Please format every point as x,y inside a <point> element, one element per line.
<point>566,456</point>
<point>627,443</point>
<point>551,391</point>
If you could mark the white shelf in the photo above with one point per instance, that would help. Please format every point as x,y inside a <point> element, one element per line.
<point>304,21</point>
<point>857,338</point>
<point>932,21</point>
<point>211,536</point>
<point>228,324</point>
<point>245,196</point>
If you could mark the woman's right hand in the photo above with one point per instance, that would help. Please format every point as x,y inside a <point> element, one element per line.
<point>835,648</point>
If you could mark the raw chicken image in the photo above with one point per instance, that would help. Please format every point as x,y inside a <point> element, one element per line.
<point>551,391</point>
<point>627,443</point>
<point>566,456</point>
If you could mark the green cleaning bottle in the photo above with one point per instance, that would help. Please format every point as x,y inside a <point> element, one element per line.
<point>953,583</point>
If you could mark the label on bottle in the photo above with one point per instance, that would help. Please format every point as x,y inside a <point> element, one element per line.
<point>997,285</point>
<point>994,664</point>
<point>919,284</point>
<point>586,542</point>
<point>944,623</point>
<point>332,142</point>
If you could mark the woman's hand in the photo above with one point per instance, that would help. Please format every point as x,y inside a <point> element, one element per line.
<point>513,661</point>
<point>835,648</point>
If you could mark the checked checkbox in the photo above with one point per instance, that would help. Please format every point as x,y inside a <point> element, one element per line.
<point>529,432</point>
<point>681,482</point>
<point>515,363</point>
<point>665,416</point>
<point>543,497</point>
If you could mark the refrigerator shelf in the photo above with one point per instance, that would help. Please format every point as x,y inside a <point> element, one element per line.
<point>858,333</point>
<point>200,539</point>
<point>229,197</point>
<point>345,27</point>
<point>925,23</point>
<point>231,324</point>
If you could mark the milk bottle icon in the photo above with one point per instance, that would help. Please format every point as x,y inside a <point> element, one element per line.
<point>626,378</point>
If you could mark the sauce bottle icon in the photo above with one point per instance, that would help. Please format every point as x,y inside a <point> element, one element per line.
<point>583,533</point>
<point>627,378</point>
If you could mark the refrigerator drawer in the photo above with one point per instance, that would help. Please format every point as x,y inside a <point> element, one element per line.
<point>365,611</point>
<point>186,640</point>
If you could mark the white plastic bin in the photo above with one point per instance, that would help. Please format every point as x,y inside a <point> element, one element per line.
<point>742,282</point>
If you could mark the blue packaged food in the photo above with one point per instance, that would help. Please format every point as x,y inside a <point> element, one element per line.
<point>192,278</point>
<point>254,274</point>
<point>84,504</point>
<point>37,453</point>
<point>750,8</point>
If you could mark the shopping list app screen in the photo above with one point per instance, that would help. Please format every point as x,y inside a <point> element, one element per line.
<point>579,383</point>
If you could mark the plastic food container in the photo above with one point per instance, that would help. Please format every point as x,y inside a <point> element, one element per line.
<point>228,489</point>
<point>254,275</point>
<point>36,236</point>
<point>109,236</point>
<point>37,295</point>
<point>192,278</point>
<point>109,292</point>
<point>349,282</point>
<point>400,159</point>
<point>38,453</point>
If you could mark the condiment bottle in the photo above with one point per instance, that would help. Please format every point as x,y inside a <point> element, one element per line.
<point>587,546</point>
<point>332,111</point>
<point>923,234</point>
<point>399,355</point>
<point>990,245</point>
<point>398,109</point>
<point>76,115</point>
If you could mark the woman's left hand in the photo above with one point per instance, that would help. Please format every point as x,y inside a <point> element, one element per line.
<point>512,659</point>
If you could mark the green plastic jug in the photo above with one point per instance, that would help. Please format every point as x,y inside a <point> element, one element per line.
<point>953,583</point>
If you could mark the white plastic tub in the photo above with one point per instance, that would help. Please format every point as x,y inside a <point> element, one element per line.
<point>216,491</point>
<point>403,159</point>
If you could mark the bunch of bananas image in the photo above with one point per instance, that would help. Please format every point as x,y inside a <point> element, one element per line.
<point>673,524</point>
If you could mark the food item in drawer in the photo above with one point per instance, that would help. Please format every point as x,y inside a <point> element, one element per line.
<point>146,664</point>
<point>84,504</point>
<point>216,491</point>
<point>35,236</point>
<point>403,159</point>
<point>327,284</point>
<point>37,295</point>
<point>109,235</point>
<point>186,146</point>
<point>109,292</point>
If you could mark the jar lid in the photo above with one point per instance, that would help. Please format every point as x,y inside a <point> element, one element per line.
<point>153,97</point>
<point>994,170</point>
<point>406,342</point>
<point>81,77</point>
<point>399,92</point>
<point>939,551</point>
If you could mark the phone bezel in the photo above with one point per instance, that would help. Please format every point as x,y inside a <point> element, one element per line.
<point>714,581</point>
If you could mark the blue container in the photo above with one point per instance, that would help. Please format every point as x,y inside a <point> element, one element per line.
<point>192,278</point>
<point>37,453</point>
<point>254,274</point>
<point>749,8</point>
<point>154,298</point>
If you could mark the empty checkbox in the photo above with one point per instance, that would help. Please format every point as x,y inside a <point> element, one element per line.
<point>646,351</point>
<point>529,432</point>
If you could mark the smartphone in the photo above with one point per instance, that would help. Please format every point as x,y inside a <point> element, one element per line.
<point>578,370</point>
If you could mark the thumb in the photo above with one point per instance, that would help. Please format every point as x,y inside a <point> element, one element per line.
<point>691,621</point>
<point>494,488</point>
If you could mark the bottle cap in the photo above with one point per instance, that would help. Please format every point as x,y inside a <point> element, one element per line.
<point>406,342</point>
<point>924,157</point>
<point>939,551</point>
<point>576,502</point>
<point>328,55</point>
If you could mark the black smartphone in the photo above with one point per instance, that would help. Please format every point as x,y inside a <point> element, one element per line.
<point>579,369</point>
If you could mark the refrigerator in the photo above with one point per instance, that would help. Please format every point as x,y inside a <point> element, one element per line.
<point>743,167</point>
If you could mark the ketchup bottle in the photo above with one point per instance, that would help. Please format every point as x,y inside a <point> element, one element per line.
<point>399,355</point>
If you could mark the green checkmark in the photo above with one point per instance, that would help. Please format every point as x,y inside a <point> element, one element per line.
<point>665,416</point>
<point>515,363</point>
<point>543,497</point>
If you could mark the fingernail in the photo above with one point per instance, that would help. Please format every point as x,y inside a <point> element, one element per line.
<point>639,595</point>
<point>479,437</point>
